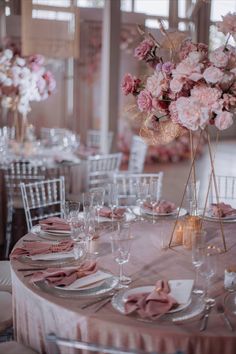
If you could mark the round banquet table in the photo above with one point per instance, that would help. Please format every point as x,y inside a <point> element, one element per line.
<point>37,313</point>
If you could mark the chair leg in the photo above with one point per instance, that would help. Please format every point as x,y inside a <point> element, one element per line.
<point>8,230</point>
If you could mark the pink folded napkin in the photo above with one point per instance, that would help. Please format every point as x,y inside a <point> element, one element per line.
<point>222,210</point>
<point>162,206</point>
<point>65,276</point>
<point>151,305</point>
<point>118,213</point>
<point>32,248</point>
<point>54,223</point>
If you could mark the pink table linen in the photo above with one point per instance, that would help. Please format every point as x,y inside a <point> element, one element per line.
<point>37,313</point>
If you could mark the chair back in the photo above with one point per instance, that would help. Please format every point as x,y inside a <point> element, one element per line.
<point>101,169</point>
<point>60,137</point>
<point>17,172</point>
<point>226,188</point>
<point>127,185</point>
<point>43,199</point>
<point>94,139</point>
<point>7,132</point>
<point>55,342</point>
<point>137,156</point>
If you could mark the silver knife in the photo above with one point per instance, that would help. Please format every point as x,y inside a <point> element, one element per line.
<point>205,318</point>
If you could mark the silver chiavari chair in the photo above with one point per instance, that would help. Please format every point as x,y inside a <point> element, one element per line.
<point>127,184</point>
<point>94,139</point>
<point>55,342</point>
<point>226,188</point>
<point>43,199</point>
<point>17,172</point>
<point>7,132</point>
<point>60,137</point>
<point>101,169</point>
<point>137,156</point>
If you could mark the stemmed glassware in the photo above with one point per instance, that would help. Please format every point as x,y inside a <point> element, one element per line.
<point>71,210</point>
<point>121,244</point>
<point>208,271</point>
<point>98,199</point>
<point>154,195</point>
<point>142,193</point>
<point>198,254</point>
<point>113,198</point>
<point>87,202</point>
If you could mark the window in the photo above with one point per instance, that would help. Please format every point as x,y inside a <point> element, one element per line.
<point>152,7</point>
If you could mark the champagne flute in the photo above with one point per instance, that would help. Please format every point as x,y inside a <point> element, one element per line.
<point>112,198</point>
<point>87,202</point>
<point>142,192</point>
<point>154,196</point>
<point>98,199</point>
<point>78,236</point>
<point>208,271</point>
<point>198,254</point>
<point>121,244</point>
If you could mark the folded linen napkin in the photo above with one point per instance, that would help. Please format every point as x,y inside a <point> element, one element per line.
<point>54,223</point>
<point>151,305</point>
<point>222,210</point>
<point>118,213</point>
<point>33,248</point>
<point>162,206</point>
<point>65,276</point>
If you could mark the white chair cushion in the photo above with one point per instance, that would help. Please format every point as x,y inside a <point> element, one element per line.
<point>5,310</point>
<point>5,276</point>
<point>15,348</point>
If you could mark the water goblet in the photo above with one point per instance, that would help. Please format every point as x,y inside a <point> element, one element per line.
<point>98,199</point>
<point>70,209</point>
<point>79,237</point>
<point>121,244</point>
<point>198,254</point>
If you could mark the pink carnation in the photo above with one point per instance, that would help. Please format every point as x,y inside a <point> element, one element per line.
<point>224,120</point>
<point>206,96</point>
<point>228,24</point>
<point>130,84</point>
<point>176,85</point>
<point>145,101</point>
<point>213,75</point>
<point>167,67</point>
<point>143,49</point>
<point>174,112</point>
<point>156,84</point>
<point>219,58</point>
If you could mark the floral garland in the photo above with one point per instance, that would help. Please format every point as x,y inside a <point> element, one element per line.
<point>23,80</point>
<point>196,90</point>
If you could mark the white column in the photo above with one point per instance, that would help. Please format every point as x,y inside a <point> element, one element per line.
<point>110,71</point>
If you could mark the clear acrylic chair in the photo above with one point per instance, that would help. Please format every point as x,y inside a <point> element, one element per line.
<point>101,169</point>
<point>60,137</point>
<point>55,342</point>
<point>226,188</point>
<point>7,132</point>
<point>137,156</point>
<point>127,183</point>
<point>94,139</point>
<point>43,199</point>
<point>17,172</point>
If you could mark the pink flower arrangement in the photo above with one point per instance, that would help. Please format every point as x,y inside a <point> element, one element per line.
<point>197,90</point>
<point>23,80</point>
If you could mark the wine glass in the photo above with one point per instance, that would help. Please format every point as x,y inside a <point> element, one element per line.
<point>208,271</point>
<point>121,243</point>
<point>154,195</point>
<point>112,198</point>
<point>142,192</point>
<point>87,202</point>
<point>198,254</point>
<point>90,229</point>
<point>78,236</point>
<point>98,199</point>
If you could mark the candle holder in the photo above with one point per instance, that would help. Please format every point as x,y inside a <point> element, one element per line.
<point>191,225</point>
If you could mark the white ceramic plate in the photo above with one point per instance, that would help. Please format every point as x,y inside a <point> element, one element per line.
<point>226,219</point>
<point>180,290</point>
<point>127,217</point>
<point>50,235</point>
<point>173,214</point>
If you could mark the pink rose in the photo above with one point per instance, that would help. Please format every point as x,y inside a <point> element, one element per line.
<point>130,84</point>
<point>156,84</point>
<point>143,49</point>
<point>176,85</point>
<point>228,24</point>
<point>224,120</point>
<point>219,58</point>
<point>213,75</point>
<point>145,101</point>
<point>167,67</point>
<point>206,96</point>
<point>37,58</point>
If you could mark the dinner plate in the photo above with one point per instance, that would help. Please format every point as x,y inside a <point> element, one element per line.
<point>50,235</point>
<point>99,289</point>
<point>226,219</point>
<point>127,217</point>
<point>118,301</point>
<point>148,212</point>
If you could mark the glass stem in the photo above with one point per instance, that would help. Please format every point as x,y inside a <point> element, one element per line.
<point>196,277</point>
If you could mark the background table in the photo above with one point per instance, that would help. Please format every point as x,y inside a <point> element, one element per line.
<point>37,313</point>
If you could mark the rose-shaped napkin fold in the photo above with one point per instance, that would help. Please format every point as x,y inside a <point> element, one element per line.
<point>34,247</point>
<point>151,305</point>
<point>161,207</point>
<point>118,213</point>
<point>54,223</point>
<point>222,210</point>
<point>65,276</point>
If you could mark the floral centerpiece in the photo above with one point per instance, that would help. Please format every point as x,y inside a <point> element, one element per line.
<point>23,80</point>
<point>189,93</point>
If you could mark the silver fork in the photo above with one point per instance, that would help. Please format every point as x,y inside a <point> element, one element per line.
<point>221,311</point>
